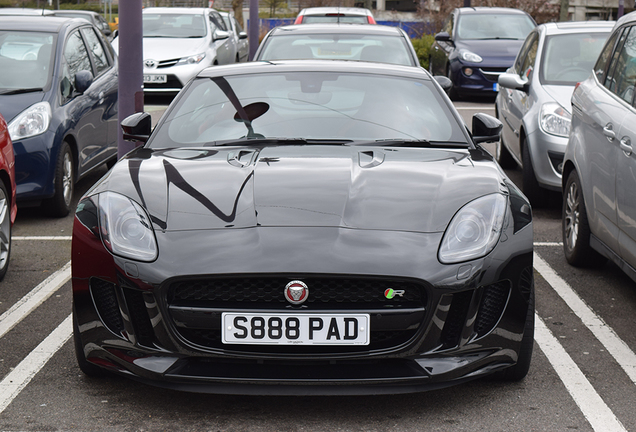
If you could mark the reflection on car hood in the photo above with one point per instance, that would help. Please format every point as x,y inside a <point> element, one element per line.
<point>495,52</point>
<point>12,105</point>
<point>416,190</point>
<point>173,48</point>
<point>562,94</point>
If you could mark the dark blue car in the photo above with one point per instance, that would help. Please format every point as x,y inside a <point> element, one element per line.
<point>476,45</point>
<point>58,94</point>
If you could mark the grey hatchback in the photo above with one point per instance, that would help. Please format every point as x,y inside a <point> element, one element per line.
<point>599,185</point>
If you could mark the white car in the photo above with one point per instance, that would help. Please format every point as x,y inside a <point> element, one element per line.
<point>348,15</point>
<point>178,43</point>
<point>238,35</point>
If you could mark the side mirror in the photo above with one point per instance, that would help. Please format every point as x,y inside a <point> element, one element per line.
<point>83,80</point>
<point>220,34</point>
<point>242,35</point>
<point>444,82</point>
<point>486,128</point>
<point>443,37</point>
<point>137,127</point>
<point>513,81</point>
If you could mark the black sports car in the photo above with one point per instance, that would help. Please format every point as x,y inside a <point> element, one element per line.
<point>305,227</point>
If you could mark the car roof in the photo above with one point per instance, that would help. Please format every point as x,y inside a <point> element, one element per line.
<point>25,11</point>
<point>330,28</point>
<point>577,27</point>
<point>74,12</point>
<point>490,10</point>
<point>49,24</point>
<point>284,66</point>
<point>344,10</point>
<point>177,10</point>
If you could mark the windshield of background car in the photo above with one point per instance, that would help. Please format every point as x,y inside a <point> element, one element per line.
<point>568,59</point>
<point>494,26</point>
<point>335,18</point>
<point>375,48</point>
<point>170,25</point>
<point>26,59</point>
<point>309,105</point>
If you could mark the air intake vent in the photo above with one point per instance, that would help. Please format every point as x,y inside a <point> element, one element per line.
<point>106,303</point>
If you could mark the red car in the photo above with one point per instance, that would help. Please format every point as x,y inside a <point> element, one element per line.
<point>8,207</point>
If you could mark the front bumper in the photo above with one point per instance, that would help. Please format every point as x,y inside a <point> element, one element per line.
<point>467,322</point>
<point>177,76</point>
<point>481,82</point>
<point>33,166</point>
<point>547,153</point>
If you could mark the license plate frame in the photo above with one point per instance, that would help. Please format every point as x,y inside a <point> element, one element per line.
<point>350,328</point>
<point>155,79</point>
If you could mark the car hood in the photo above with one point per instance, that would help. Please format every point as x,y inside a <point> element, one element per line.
<point>172,48</point>
<point>417,190</point>
<point>562,94</point>
<point>12,105</point>
<point>494,52</point>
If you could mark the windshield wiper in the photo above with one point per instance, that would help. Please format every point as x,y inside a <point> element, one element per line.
<point>400,142</point>
<point>19,91</point>
<point>276,141</point>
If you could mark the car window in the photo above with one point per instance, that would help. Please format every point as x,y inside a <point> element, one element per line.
<point>26,59</point>
<point>226,21</point>
<point>311,105</point>
<point>494,26</point>
<point>217,20</point>
<point>528,62</point>
<point>524,51</point>
<point>173,25</point>
<point>239,28</point>
<point>623,67</point>
<point>568,59</point>
<point>374,48</point>
<point>448,24</point>
<point>96,49</point>
<point>75,60</point>
<point>600,69</point>
<point>335,18</point>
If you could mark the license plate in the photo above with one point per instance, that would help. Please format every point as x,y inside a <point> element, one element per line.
<point>495,87</point>
<point>300,329</point>
<point>158,79</point>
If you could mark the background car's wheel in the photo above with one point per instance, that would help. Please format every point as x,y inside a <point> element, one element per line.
<point>89,369</point>
<point>5,229</point>
<point>503,156</point>
<point>536,194</point>
<point>64,182</point>
<point>575,227</point>
<point>521,368</point>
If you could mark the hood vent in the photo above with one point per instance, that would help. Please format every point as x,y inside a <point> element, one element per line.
<point>370,159</point>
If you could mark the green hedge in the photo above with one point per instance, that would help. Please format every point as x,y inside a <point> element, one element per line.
<point>422,48</point>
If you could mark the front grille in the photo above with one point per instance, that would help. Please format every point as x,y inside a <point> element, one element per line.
<point>195,307</point>
<point>167,63</point>
<point>106,303</point>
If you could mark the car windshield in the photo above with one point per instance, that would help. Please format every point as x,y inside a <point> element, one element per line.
<point>568,59</point>
<point>335,18</point>
<point>494,26</point>
<point>375,48</point>
<point>342,107</point>
<point>26,60</point>
<point>170,25</point>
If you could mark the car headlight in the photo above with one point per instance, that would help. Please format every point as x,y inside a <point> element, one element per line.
<point>198,58</point>
<point>125,228</point>
<point>30,122</point>
<point>555,120</point>
<point>470,56</point>
<point>474,230</point>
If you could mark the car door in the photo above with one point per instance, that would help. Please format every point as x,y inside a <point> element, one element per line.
<point>601,111</point>
<point>516,103</point>
<point>243,45</point>
<point>221,38</point>
<point>441,49</point>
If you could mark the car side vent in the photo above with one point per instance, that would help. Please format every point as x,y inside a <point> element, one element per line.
<point>139,316</point>
<point>456,319</point>
<point>493,303</point>
<point>105,300</point>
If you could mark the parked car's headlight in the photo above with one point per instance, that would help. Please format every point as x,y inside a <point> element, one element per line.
<point>555,120</point>
<point>474,230</point>
<point>30,122</point>
<point>470,56</point>
<point>192,59</point>
<point>125,228</point>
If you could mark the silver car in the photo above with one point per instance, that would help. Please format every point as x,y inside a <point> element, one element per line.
<point>533,102</point>
<point>178,43</point>
<point>599,181</point>
<point>238,36</point>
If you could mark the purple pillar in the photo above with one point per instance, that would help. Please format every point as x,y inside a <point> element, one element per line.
<point>253,28</point>
<point>131,92</point>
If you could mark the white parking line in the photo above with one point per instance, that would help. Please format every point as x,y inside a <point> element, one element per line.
<point>18,378</point>
<point>62,238</point>
<point>595,410</point>
<point>34,298</point>
<point>604,333</point>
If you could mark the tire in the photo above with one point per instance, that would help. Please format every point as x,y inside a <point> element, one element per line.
<point>537,195</point>
<point>521,368</point>
<point>64,183</point>
<point>575,227</point>
<point>89,369</point>
<point>5,230</point>
<point>503,156</point>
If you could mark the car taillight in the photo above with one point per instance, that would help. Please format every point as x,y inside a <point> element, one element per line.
<point>299,19</point>
<point>371,20</point>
